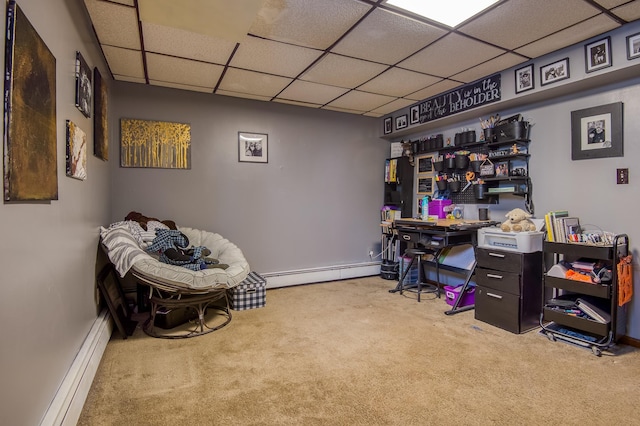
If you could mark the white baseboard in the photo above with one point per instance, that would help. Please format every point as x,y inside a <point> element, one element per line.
<point>316,275</point>
<point>67,404</point>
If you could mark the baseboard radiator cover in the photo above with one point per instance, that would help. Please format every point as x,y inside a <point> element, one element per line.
<point>322,274</point>
<point>66,407</point>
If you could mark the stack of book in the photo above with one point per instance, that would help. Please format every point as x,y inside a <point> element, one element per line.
<point>561,227</point>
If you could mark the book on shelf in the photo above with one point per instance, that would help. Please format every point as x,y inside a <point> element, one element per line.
<point>593,311</point>
<point>553,223</point>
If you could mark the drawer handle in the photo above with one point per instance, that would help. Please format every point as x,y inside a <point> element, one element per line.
<point>501,256</point>
<point>499,277</point>
<point>406,237</point>
<point>496,296</point>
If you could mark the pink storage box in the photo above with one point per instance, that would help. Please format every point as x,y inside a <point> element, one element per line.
<point>436,208</point>
<point>468,298</point>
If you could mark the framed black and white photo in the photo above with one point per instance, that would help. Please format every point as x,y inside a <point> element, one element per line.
<point>414,114</point>
<point>253,147</point>
<point>401,122</point>
<point>633,46</point>
<point>598,54</point>
<point>387,125</point>
<point>554,72</point>
<point>83,86</point>
<point>597,132</point>
<point>524,79</point>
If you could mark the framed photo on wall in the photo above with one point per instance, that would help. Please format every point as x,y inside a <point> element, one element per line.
<point>425,164</point>
<point>554,72</point>
<point>597,132</point>
<point>633,46</point>
<point>598,54</point>
<point>401,122</point>
<point>253,147</point>
<point>425,185</point>
<point>414,114</point>
<point>524,79</point>
<point>387,125</point>
<point>83,86</point>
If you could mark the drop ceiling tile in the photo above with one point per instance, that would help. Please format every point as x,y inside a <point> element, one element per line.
<point>309,23</point>
<point>290,102</point>
<point>331,70</point>
<point>453,52</point>
<point>243,81</point>
<point>628,12</point>
<point>315,93</point>
<point>518,22</point>
<point>610,3</point>
<point>181,86</point>
<point>361,101</point>
<point>577,33</point>
<point>272,57</point>
<point>440,87</point>
<point>103,16</point>
<point>349,111</point>
<point>185,44</point>
<point>393,106</point>
<point>182,71</point>
<point>124,62</point>
<point>243,95</point>
<point>495,65</point>
<point>127,2</point>
<point>129,79</point>
<point>373,114</point>
<point>387,37</point>
<point>398,82</point>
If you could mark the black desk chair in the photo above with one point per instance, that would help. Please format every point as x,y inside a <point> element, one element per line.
<point>421,286</point>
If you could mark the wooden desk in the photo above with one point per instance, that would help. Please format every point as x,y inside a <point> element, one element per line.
<point>438,235</point>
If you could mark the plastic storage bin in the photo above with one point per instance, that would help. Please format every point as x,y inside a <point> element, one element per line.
<point>451,294</point>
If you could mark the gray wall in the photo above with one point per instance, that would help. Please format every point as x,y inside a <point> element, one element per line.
<point>315,203</point>
<point>48,249</point>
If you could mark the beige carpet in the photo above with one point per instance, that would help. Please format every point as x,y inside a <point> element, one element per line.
<point>351,353</point>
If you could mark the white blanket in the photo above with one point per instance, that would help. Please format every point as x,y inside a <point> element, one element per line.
<point>122,248</point>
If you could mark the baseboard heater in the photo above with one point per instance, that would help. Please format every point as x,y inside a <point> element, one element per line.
<point>321,274</point>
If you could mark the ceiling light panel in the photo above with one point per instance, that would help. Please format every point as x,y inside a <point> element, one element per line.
<point>361,101</point>
<point>309,23</point>
<point>186,44</point>
<point>273,57</point>
<point>518,22</point>
<point>182,71</point>
<point>439,87</point>
<point>450,13</point>
<point>103,16</point>
<point>242,81</point>
<point>574,34</point>
<point>469,53</point>
<point>331,70</point>
<point>387,37</point>
<point>628,12</point>
<point>305,91</point>
<point>398,82</point>
<point>124,62</point>
<point>490,67</point>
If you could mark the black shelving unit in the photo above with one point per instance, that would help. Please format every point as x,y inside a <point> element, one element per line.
<point>557,324</point>
<point>398,189</point>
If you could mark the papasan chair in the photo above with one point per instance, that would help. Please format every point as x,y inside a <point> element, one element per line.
<point>204,292</point>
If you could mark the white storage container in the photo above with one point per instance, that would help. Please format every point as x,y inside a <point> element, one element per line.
<point>521,242</point>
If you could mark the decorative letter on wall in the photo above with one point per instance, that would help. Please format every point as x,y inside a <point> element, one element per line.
<point>30,169</point>
<point>155,144</point>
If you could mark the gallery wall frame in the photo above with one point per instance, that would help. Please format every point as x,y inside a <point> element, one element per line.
<point>597,132</point>
<point>84,88</point>
<point>30,146</point>
<point>524,79</point>
<point>414,114</point>
<point>253,147</point>
<point>425,164</point>
<point>401,122</point>
<point>598,55</point>
<point>76,152</point>
<point>633,46</point>
<point>554,72</point>
<point>425,185</point>
<point>100,117</point>
<point>387,126</point>
<point>155,144</point>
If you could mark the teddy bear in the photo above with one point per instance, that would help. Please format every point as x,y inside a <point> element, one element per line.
<point>517,220</point>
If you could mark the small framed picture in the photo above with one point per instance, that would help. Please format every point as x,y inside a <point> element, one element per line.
<point>253,147</point>
<point>554,72</point>
<point>387,125</point>
<point>425,164</point>
<point>401,122</point>
<point>633,46</point>
<point>502,168</point>
<point>524,79</point>
<point>425,184</point>
<point>598,54</point>
<point>83,86</point>
<point>414,114</point>
<point>597,132</point>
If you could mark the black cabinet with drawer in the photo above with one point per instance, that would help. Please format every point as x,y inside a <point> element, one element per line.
<point>509,289</point>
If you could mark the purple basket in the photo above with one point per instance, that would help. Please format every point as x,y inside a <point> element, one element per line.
<point>452,293</point>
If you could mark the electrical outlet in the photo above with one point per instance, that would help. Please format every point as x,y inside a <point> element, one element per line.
<point>622,176</point>
<point>371,254</point>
